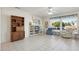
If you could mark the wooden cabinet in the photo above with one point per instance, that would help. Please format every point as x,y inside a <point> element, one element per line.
<point>17,28</point>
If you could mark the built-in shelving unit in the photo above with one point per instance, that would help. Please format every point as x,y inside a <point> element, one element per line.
<point>17,28</point>
<point>34,27</point>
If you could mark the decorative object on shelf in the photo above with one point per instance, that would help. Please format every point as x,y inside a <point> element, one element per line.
<point>30,23</point>
<point>37,28</point>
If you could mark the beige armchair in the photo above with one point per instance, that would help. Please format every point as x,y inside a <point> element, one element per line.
<point>66,34</point>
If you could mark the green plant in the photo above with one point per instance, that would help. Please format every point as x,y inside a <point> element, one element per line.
<point>57,24</point>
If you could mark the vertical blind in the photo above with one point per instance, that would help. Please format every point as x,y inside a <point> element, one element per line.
<point>66,19</point>
<point>69,19</point>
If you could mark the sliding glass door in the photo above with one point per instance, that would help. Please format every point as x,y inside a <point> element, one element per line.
<point>70,22</point>
<point>64,22</point>
<point>55,23</point>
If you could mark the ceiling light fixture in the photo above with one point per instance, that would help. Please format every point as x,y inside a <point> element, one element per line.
<point>50,10</point>
<point>50,13</point>
<point>17,7</point>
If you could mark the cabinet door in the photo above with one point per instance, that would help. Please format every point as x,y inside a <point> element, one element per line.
<point>22,35</point>
<point>15,36</point>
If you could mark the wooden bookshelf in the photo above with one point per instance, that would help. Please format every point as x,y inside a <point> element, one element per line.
<point>17,28</point>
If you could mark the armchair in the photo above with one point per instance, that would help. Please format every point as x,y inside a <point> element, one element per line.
<point>66,34</point>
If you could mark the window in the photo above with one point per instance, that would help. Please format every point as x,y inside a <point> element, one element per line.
<point>63,22</point>
<point>69,21</point>
<point>55,23</point>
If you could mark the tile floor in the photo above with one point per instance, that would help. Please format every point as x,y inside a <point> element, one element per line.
<point>42,43</point>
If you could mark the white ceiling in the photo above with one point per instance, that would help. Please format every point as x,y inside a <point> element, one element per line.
<point>43,11</point>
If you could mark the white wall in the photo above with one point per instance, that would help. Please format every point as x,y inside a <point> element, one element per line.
<point>78,22</point>
<point>6,22</point>
<point>0,25</point>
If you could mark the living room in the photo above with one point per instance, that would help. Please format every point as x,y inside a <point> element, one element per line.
<point>43,28</point>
